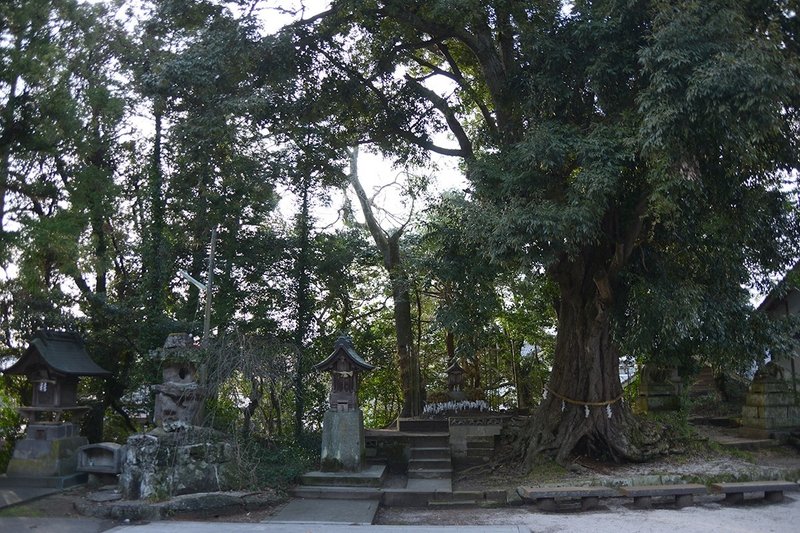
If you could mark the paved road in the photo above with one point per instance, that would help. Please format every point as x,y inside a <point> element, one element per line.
<point>752,517</point>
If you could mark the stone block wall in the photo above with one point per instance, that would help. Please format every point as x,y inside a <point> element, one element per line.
<point>770,407</point>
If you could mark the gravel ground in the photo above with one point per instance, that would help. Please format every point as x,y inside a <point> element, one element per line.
<point>780,462</point>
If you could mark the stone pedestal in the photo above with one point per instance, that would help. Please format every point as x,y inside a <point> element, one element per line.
<point>187,460</point>
<point>342,441</point>
<point>770,406</point>
<point>48,450</point>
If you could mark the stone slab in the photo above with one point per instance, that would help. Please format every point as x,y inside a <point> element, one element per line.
<point>42,482</point>
<point>754,486</point>
<point>337,493</point>
<point>313,511</point>
<point>663,490</point>
<point>536,493</point>
<point>369,476</point>
<point>429,485</point>
<point>9,497</point>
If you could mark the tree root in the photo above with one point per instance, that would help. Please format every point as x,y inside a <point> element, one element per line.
<point>554,435</point>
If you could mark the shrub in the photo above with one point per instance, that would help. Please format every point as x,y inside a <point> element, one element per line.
<point>438,396</point>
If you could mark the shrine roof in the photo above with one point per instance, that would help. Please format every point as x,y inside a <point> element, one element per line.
<point>344,345</point>
<point>455,367</point>
<point>62,351</point>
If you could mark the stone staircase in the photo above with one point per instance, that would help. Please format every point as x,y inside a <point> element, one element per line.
<point>429,448</point>
<point>430,460</point>
<point>428,480</point>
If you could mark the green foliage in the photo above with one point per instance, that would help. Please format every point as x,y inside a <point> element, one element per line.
<point>275,464</point>
<point>474,394</point>
<point>10,423</point>
<point>437,396</point>
<point>645,143</point>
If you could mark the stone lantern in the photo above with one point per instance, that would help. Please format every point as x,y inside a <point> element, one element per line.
<point>53,362</point>
<point>343,425</point>
<point>179,399</point>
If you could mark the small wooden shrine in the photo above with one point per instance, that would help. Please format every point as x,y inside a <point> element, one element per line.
<point>455,377</point>
<point>345,367</point>
<point>53,362</point>
<point>47,456</point>
<point>343,424</point>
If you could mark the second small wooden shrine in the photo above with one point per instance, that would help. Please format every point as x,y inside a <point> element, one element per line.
<point>343,425</point>
<point>345,366</point>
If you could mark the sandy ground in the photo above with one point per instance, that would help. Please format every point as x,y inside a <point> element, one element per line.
<point>709,516</point>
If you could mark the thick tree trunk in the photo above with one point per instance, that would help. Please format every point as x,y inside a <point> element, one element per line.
<point>406,357</point>
<point>583,412</point>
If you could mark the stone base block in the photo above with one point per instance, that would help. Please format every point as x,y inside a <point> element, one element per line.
<point>47,451</point>
<point>342,441</point>
<point>161,464</point>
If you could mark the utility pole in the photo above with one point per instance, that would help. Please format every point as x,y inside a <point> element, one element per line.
<point>209,288</point>
<point>206,288</point>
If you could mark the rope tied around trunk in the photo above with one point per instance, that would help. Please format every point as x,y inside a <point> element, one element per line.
<point>565,400</point>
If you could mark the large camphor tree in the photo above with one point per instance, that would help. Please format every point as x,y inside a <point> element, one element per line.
<point>639,153</point>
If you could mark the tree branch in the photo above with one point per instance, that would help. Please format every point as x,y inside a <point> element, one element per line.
<point>450,116</point>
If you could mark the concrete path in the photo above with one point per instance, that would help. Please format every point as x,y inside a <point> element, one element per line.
<point>55,525</point>
<point>752,517</point>
<point>353,512</point>
<point>209,527</point>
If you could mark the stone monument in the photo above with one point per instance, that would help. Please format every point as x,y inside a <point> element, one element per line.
<point>179,456</point>
<point>53,362</point>
<point>343,425</point>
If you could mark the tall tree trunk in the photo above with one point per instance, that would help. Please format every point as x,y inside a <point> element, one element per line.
<point>303,305</point>
<point>583,412</point>
<point>406,356</point>
<point>153,262</point>
<point>450,344</point>
<point>389,246</point>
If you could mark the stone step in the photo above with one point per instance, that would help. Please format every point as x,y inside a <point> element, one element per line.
<point>431,473</point>
<point>452,504</point>
<point>423,425</point>
<point>371,476</point>
<point>429,440</point>
<point>336,493</point>
<point>426,464</point>
<point>430,453</point>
